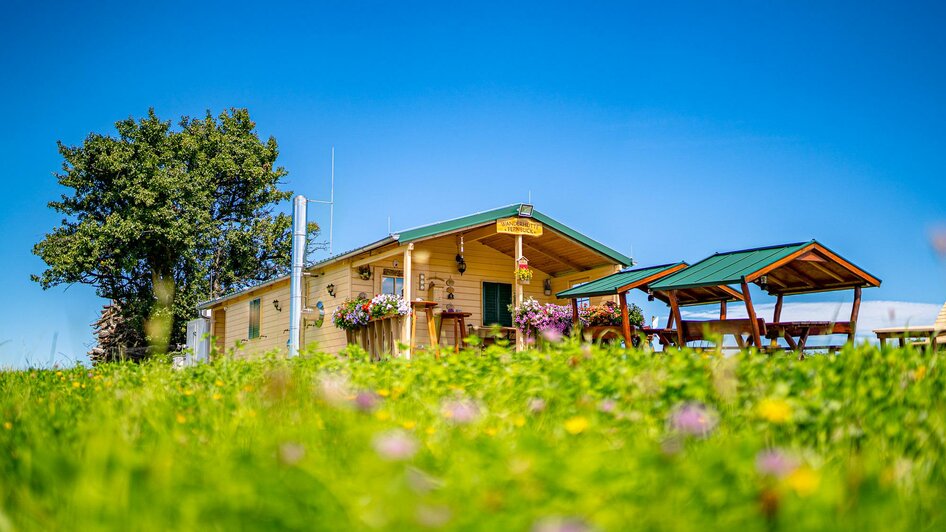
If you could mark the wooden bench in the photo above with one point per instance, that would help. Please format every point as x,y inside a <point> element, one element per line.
<point>694,330</point>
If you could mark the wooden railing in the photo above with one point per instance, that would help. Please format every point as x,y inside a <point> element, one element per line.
<point>379,337</point>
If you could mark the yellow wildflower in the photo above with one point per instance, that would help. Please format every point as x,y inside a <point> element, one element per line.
<point>430,431</point>
<point>188,392</point>
<point>219,382</point>
<point>75,384</point>
<point>804,481</point>
<point>7,425</point>
<point>382,415</point>
<point>216,396</point>
<point>247,388</point>
<point>384,392</point>
<point>576,425</point>
<point>919,373</point>
<point>775,410</point>
<point>519,420</point>
<point>409,425</point>
<point>181,418</point>
<point>490,431</point>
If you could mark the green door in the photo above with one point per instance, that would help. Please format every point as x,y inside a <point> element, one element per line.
<point>496,300</point>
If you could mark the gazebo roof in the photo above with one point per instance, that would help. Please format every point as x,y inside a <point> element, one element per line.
<point>786,269</point>
<point>645,279</point>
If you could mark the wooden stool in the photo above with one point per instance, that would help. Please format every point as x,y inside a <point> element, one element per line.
<point>427,307</point>
<point>459,322</point>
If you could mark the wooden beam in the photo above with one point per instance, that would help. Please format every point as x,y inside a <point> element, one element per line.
<point>408,296</point>
<point>380,256</point>
<point>777,315</point>
<point>675,309</point>
<point>549,253</point>
<point>826,271</point>
<point>643,283</point>
<point>848,266</point>
<point>480,233</point>
<point>625,321</point>
<point>545,254</point>
<point>520,338</point>
<point>756,335</point>
<point>855,310</point>
<point>802,275</point>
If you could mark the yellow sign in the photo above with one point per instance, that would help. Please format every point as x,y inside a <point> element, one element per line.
<point>518,226</point>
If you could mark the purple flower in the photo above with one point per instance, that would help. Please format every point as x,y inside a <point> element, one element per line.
<point>775,463</point>
<point>694,419</point>
<point>461,411</point>
<point>366,401</point>
<point>395,445</point>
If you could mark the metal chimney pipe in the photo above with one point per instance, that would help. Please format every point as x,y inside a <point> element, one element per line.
<point>295,276</point>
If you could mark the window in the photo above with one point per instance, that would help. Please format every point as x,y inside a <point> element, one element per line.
<point>496,300</point>
<point>392,285</point>
<point>254,319</point>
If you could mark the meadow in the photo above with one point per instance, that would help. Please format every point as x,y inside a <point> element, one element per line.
<point>569,437</point>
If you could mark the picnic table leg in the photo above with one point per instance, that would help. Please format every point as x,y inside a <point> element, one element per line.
<point>801,344</point>
<point>902,341</point>
<point>432,332</point>
<point>740,341</point>
<point>883,341</point>
<point>790,341</point>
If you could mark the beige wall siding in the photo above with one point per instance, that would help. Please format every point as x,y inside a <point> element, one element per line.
<point>434,258</point>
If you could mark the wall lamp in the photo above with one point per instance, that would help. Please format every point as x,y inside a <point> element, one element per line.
<point>650,295</point>
<point>277,305</point>
<point>764,282</point>
<point>331,289</point>
<point>525,210</point>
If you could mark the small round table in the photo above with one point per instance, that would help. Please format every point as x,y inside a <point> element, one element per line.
<point>459,326</point>
<point>427,307</point>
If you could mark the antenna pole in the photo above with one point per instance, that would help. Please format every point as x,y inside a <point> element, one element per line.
<point>331,206</point>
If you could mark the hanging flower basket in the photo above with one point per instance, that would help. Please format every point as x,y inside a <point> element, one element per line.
<point>524,274</point>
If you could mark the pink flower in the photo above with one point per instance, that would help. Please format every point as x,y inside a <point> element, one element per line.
<point>694,419</point>
<point>461,411</point>
<point>552,335</point>
<point>395,445</point>
<point>536,405</point>
<point>775,463</point>
<point>291,453</point>
<point>366,401</point>
<point>607,406</point>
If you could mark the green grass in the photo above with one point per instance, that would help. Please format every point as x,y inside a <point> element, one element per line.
<point>571,433</point>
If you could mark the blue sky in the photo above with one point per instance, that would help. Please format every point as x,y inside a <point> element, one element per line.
<point>667,130</point>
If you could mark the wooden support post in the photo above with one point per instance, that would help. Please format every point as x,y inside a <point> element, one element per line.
<point>756,335</point>
<point>625,321</point>
<point>520,338</point>
<point>407,326</point>
<point>675,314</point>
<point>856,308</point>
<point>575,322</point>
<point>777,315</point>
<point>669,320</point>
<point>722,309</point>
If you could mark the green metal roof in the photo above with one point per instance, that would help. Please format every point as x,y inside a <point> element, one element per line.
<point>727,268</point>
<point>609,285</point>
<point>481,218</point>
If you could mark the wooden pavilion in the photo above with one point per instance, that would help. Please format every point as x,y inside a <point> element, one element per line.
<point>620,283</point>
<point>788,269</point>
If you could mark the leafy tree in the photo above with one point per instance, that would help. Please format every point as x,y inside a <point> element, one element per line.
<point>158,219</point>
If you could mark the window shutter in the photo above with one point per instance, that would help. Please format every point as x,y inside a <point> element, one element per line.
<point>496,300</point>
<point>490,303</point>
<point>505,299</point>
<point>254,319</point>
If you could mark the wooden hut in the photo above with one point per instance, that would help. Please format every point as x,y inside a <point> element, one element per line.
<point>464,266</point>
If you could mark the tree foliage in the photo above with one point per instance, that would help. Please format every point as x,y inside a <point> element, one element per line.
<point>159,218</point>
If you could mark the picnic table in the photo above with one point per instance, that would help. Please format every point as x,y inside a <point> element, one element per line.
<point>928,333</point>
<point>796,333</point>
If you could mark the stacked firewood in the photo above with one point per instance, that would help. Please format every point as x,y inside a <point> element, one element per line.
<point>113,336</point>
